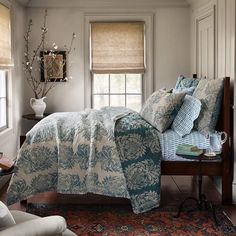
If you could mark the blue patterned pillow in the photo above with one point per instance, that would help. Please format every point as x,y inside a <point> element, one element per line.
<point>209,92</point>
<point>188,113</point>
<point>188,91</point>
<point>161,108</point>
<point>185,83</point>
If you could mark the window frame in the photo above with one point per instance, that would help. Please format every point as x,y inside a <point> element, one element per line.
<point>9,71</point>
<point>109,88</point>
<point>147,18</point>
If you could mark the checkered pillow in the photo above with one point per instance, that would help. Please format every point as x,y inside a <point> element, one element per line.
<point>188,113</point>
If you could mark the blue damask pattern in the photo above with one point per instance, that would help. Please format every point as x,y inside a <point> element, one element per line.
<point>140,156</point>
<point>184,83</point>
<point>81,152</point>
<point>188,91</point>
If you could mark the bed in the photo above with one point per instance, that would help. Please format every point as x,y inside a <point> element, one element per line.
<point>222,168</point>
<point>78,153</point>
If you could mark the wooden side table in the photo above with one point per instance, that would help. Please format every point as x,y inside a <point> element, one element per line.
<point>8,172</point>
<point>31,117</point>
<point>202,199</point>
<point>35,118</point>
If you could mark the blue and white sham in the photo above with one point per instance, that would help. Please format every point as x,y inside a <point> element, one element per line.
<point>210,93</point>
<point>184,83</point>
<point>188,113</point>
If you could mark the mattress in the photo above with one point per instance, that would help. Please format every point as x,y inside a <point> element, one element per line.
<point>169,141</point>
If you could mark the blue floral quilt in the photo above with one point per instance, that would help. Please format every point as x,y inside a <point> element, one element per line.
<point>111,151</point>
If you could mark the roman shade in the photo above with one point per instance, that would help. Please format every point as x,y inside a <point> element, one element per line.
<point>5,38</point>
<point>117,47</point>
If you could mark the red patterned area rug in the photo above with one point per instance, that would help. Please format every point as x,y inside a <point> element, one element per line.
<point>114,220</point>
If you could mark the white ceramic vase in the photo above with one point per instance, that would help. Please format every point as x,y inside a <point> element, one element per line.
<point>38,105</point>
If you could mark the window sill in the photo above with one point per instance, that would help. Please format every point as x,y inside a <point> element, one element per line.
<point>6,132</point>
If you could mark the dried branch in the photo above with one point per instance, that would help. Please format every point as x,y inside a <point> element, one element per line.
<point>32,65</point>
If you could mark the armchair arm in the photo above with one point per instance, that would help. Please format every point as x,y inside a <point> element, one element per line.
<point>50,225</point>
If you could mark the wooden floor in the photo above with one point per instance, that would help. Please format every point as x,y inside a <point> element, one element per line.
<point>174,190</point>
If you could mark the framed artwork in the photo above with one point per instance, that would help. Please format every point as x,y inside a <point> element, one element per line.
<point>53,66</point>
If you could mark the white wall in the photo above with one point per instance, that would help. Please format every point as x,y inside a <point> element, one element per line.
<point>225,46</point>
<point>172,46</point>
<point>61,23</point>
<point>224,34</point>
<point>171,49</point>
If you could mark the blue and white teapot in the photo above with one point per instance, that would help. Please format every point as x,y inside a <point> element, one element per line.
<point>217,139</point>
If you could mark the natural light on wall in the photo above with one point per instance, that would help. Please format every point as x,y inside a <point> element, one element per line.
<point>5,63</point>
<point>117,64</point>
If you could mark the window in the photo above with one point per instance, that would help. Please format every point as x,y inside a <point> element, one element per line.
<point>3,100</point>
<point>117,90</point>
<point>5,32</point>
<point>5,63</point>
<point>117,64</point>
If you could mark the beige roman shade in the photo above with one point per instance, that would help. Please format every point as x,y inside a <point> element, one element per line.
<point>117,47</point>
<point>5,36</point>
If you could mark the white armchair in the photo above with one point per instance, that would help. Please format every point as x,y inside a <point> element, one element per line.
<point>30,225</point>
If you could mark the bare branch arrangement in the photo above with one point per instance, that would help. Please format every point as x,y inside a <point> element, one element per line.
<point>35,61</point>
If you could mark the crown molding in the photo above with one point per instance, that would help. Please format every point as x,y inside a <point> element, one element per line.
<point>195,4</point>
<point>106,3</point>
<point>23,2</point>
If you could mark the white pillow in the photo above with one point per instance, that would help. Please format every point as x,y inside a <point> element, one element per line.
<point>6,218</point>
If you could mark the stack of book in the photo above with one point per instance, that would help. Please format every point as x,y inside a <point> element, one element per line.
<point>5,163</point>
<point>188,150</point>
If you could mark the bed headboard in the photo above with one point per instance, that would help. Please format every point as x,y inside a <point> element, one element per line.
<point>224,124</point>
<point>224,121</point>
<point>224,118</point>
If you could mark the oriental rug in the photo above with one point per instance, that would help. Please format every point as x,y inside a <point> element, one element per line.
<point>114,220</point>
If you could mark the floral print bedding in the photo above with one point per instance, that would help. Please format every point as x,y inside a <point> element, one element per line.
<point>111,151</point>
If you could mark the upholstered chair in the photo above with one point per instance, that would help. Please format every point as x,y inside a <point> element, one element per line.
<point>19,223</point>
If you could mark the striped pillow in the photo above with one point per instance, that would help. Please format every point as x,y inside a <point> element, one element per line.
<point>188,113</point>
